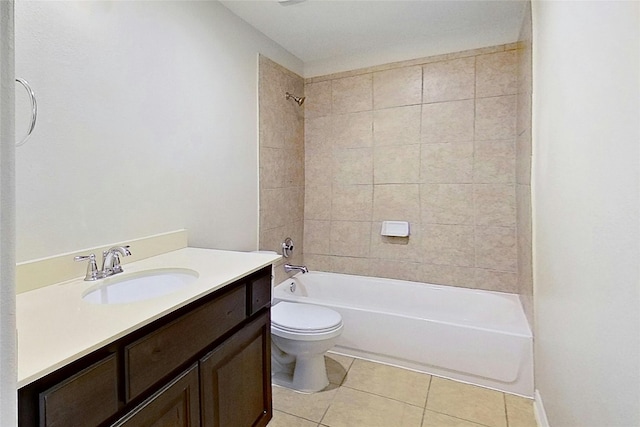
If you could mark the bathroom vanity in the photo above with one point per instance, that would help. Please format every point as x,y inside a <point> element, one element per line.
<point>205,361</point>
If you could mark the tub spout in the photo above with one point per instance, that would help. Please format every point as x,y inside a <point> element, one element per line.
<point>289,268</point>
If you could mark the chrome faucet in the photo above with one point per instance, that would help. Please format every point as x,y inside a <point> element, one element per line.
<point>110,263</point>
<point>111,260</point>
<point>289,268</point>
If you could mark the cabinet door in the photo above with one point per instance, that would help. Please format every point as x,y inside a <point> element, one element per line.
<point>235,379</point>
<point>175,405</point>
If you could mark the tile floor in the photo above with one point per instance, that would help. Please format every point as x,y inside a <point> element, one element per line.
<point>366,394</point>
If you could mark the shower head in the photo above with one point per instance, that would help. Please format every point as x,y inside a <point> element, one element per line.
<point>298,100</point>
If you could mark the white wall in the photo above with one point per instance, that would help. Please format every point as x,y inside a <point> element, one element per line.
<point>586,195</point>
<point>147,123</point>
<point>8,397</point>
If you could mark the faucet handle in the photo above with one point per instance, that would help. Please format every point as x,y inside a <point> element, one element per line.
<point>92,268</point>
<point>111,260</point>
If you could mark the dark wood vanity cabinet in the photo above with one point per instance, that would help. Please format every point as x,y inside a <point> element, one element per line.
<point>177,404</point>
<point>229,375</point>
<point>206,364</point>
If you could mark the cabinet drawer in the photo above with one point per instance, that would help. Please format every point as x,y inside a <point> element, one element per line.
<point>260,289</point>
<point>88,398</point>
<point>156,355</point>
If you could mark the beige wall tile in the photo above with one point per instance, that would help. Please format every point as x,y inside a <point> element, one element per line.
<point>397,87</point>
<point>271,239</point>
<point>272,205</point>
<point>293,168</point>
<point>317,167</point>
<point>352,130</point>
<point>494,162</point>
<point>351,265</point>
<point>447,204</point>
<point>449,244</point>
<point>412,62</point>
<point>496,74</point>
<point>449,80</point>
<point>523,111</point>
<point>399,202</point>
<point>293,206</point>
<point>356,408</point>
<point>495,204</point>
<point>282,159</point>
<point>449,163</point>
<point>396,269</point>
<point>271,167</point>
<point>448,121</point>
<point>317,134</point>
<point>318,262</point>
<point>468,402</point>
<point>271,127</point>
<point>352,202</point>
<point>499,281</point>
<point>524,240</point>
<point>388,381</point>
<point>396,164</point>
<point>467,164</point>
<point>350,238</point>
<point>318,99</point>
<point>523,158</point>
<point>450,275</point>
<point>316,237</point>
<point>293,131</point>
<point>496,248</point>
<point>353,166</point>
<point>397,126</point>
<point>352,94</point>
<point>495,118</point>
<point>317,202</point>
<point>400,248</point>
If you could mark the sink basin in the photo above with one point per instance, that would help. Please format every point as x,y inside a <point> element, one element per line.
<point>140,286</point>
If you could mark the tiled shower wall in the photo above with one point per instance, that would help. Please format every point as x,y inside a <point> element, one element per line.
<point>523,167</point>
<point>429,141</point>
<point>281,161</point>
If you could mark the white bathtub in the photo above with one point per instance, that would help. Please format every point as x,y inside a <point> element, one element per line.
<point>479,337</point>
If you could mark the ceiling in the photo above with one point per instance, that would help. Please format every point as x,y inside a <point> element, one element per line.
<point>318,30</point>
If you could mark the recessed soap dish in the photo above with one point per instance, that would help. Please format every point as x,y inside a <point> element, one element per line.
<point>395,228</point>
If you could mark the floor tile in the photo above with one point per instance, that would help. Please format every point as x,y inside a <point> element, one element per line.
<point>337,367</point>
<point>434,419</point>
<point>520,411</point>
<point>308,406</point>
<point>353,408</point>
<point>468,402</point>
<point>281,419</point>
<point>388,381</point>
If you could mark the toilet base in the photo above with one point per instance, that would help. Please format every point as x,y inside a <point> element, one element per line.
<point>309,375</point>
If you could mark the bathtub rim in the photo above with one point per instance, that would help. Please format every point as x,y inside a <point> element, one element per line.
<point>513,298</point>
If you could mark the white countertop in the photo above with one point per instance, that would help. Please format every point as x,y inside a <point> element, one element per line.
<point>56,326</point>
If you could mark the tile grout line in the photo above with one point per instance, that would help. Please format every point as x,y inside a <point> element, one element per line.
<point>334,396</point>
<point>379,395</point>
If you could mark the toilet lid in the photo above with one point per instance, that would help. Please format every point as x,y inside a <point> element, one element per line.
<point>297,317</point>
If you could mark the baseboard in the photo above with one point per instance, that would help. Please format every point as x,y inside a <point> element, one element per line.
<point>538,409</point>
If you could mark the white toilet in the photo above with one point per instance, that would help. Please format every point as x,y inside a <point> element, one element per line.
<point>300,336</point>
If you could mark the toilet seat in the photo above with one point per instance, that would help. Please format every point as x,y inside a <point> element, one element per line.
<point>297,320</point>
